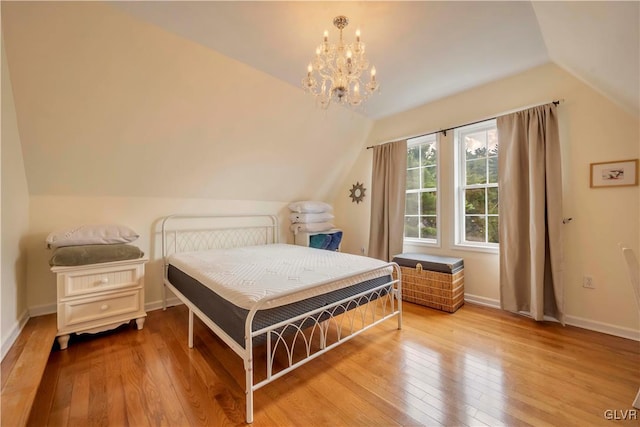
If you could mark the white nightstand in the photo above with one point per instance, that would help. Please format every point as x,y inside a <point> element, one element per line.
<point>97,297</point>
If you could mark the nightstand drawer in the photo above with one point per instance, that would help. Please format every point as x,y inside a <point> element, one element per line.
<point>86,310</point>
<point>85,282</point>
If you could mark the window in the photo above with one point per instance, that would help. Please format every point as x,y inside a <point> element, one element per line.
<point>477,185</point>
<point>421,207</point>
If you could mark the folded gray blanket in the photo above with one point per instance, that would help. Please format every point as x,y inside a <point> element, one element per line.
<point>93,254</point>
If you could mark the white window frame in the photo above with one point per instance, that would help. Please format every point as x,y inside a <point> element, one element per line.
<point>422,241</point>
<point>460,187</point>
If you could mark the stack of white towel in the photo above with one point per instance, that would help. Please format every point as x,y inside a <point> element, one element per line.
<point>310,216</point>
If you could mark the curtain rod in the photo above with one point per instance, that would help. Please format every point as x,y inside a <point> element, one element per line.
<point>466,124</point>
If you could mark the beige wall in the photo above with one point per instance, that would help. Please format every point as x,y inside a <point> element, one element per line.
<point>593,129</point>
<point>14,221</point>
<point>143,214</point>
<point>113,106</point>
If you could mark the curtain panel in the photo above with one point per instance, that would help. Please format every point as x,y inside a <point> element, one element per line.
<point>388,183</point>
<point>530,212</point>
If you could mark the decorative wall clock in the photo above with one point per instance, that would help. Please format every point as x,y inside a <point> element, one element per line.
<point>357,192</point>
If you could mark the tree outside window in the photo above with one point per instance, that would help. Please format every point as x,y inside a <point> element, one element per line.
<point>478,184</point>
<point>421,208</point>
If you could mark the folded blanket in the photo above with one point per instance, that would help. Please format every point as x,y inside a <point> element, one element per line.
<point>93,254</point>
<point>310,217</point>
<point>329,241</point>
<point>310,206</point>
<point>320,241</point>
<point>336,238</point>
<point>312,227</point>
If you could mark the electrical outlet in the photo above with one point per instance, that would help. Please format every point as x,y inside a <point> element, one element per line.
<point>587,282</point>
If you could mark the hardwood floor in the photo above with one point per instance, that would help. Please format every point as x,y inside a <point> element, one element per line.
<point>22,368</point>
<point>478,366</point>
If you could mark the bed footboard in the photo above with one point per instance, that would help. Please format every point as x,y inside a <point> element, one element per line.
<point>299,340</point>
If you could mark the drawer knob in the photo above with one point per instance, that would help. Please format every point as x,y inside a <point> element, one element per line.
<point>104,280</point>
<point>104,307</point>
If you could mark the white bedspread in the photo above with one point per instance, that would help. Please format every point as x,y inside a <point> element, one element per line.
<point>246,275</point>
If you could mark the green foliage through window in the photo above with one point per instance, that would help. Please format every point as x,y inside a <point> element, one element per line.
<point>421,206</point>
<point>478,182</point>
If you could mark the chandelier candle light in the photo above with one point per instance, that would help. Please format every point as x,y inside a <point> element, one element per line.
<point>338,68</point>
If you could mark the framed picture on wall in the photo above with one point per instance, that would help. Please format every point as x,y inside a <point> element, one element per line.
<point>621,173</point>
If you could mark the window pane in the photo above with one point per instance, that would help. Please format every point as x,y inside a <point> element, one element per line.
<point>474,228</point>
<point>492,200</point>
<point>492,141</point>
<point>422,181</point>
<point>493,170</point>
<point>411,226</point>
<point>476,184</point>
<point>413,179</point>
<point>428,228</point>
<point>476,171</point>
<point>474,201</point>
<point>492,223</point>
<point>429,199</point>
<point>429,176</point>
<point>429,154</point>
<point>475,145</point>
<point>411,204</point>
<point>413,157</point>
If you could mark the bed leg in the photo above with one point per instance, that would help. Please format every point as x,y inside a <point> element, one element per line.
<point>164,297</point>
<point>190,328</point>
<point>398,293</point>
<point>248,369</point>
<point>400,312</point>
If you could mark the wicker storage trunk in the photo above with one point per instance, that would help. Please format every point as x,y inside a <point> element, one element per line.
<point>432,281</point>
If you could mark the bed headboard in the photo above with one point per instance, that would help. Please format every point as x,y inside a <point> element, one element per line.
<point>183,233</point>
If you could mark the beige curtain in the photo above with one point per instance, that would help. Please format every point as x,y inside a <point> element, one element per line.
<point>388,183</point>
<point>530,209</point>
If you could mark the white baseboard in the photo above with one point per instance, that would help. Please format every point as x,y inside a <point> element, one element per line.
<point>41,310</point>
<point>487,302</point>
<point>157,305</point>
<point>592,325</point>
<point>13,335</point>
<point>605,328</point>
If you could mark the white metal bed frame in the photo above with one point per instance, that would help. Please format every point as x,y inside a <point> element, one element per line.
<point>350,316</point>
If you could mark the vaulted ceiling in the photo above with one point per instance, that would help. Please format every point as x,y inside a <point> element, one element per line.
<point>423,51</point>
<point>204,99</point>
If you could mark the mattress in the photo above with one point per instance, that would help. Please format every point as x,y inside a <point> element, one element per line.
<point>225,284</point>
<point>245,275</point>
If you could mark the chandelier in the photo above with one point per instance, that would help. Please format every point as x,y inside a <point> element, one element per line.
<point>335,73</point>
